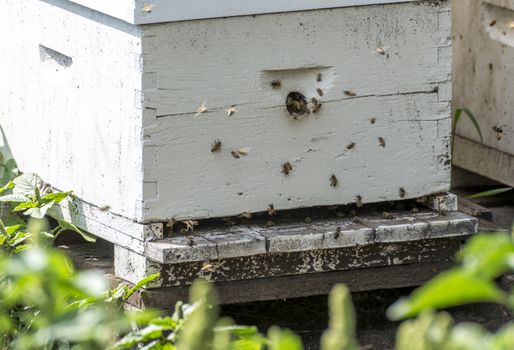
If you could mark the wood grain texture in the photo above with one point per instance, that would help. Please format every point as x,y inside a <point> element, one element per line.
<point>275,288</point>
<point>484,63</point>
<point>232,61</point>
<point>288,249</point>
<point>291,264</point>
<point>484,160</point>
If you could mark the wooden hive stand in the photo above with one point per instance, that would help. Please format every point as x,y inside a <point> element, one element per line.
<point>286,256</point>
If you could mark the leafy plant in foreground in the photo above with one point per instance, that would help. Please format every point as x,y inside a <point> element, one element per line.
<point>484,258</point>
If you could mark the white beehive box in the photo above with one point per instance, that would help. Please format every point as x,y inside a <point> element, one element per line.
<point>99,98</point>
<point>483,70</point>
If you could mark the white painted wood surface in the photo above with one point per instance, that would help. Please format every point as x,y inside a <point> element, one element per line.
<point>155,11</point>
<point>108,109</point>
<point>406,90</point>
<point>70,100</point>
<point>484,65</point>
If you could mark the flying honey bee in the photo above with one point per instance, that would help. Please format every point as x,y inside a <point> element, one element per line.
<point>271,210</point>
<point>216,146</point>
<point>350,93</point>
<point>320,92</point>
<point>235,155</point>
<point>373,120</point>
<point>105,208</point>
<point>206,267</point>
<point>381,141</point>
<point>147,8</point>
<point>245,215</point>
<point>190,241</point>
<point>319,78</point>
<point>190,225</point>
<point>243,151</point>
<point>380,51</point>
<point>499,131</point>
<point>333,181</point>
<point>337,233</point>
<point>231,111</point>
<point>358,201</point>
<point>402,192</point>
<point>351,146</point>
<point>275,84</point>
<point>316,108</point>
<point>171,223</point>
<point>201,109</point>
<point>492,24</point>
<point>287,168</point>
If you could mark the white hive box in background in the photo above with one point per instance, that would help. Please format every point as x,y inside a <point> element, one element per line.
<point>101,99</point>
<point>483,70</point>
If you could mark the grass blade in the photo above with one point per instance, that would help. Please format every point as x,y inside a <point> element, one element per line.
<point>490,193</point>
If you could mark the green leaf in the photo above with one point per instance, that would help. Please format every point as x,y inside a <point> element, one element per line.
<point>39,212</point>
<point>488,255</point>
<point>56,197</point>
<point>26,183</point>
<point>490,193</point>
<point>25,206</point>
<point>452,288</point>
<point>471,117</point>
<point>16,198</point>
<point>140,285</point>
<point>283,340</point>
<point>69,226</point>
<point>238,330</point>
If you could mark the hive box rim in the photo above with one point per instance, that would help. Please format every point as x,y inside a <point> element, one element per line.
<point>160,11</point>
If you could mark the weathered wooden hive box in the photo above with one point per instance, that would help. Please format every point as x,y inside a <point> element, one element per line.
<point>185,110</point>
<point>483,69</point>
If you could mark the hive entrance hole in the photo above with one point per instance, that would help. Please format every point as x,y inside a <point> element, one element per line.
<point>296,104</point>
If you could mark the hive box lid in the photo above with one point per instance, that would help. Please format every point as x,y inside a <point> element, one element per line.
<point>156,11</point>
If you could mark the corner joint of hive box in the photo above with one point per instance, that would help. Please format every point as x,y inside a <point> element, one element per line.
<point>442,203</point>
<point>152,232</point>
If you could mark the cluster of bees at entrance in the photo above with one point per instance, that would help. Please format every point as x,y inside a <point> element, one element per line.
<point>297,105</point>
